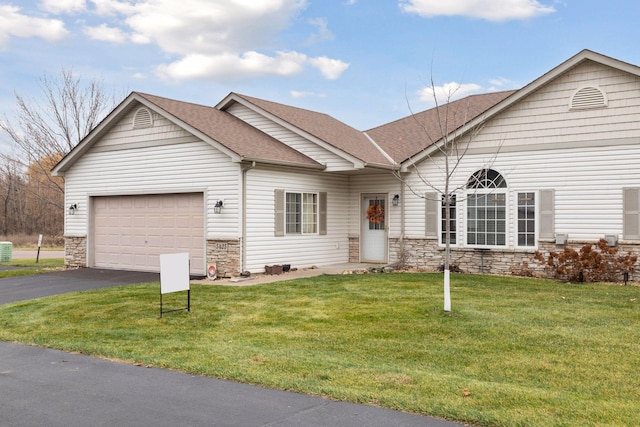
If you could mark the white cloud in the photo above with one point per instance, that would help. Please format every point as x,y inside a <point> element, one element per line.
<point>330,68</point>
<point>63,6</point>
<point>492,10</point>
<point>15,24</point>
<point>210,28</point>
<point>231,66</point>
<point>502,83</point>
<point>322,33</point>
<point>214,39</point>
<point>105,33</point>
<point>447,92</point>
<point>303,94</point>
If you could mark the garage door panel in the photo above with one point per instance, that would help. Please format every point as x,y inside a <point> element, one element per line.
<point>131,232</point>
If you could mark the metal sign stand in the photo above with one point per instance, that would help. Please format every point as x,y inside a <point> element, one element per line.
<point>188,307</point>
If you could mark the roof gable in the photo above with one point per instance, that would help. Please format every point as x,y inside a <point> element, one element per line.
<point>406,137</point>
<point>232,136</point>
<point>318,127</point>
<point>510,98</point>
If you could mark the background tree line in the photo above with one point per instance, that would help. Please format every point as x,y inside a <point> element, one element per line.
<point>41,131</point>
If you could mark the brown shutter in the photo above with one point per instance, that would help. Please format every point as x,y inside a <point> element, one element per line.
<point>279,213</point>
<point>322,213</point>
<point>631,213</point>
<point>547,214</point>
<point>432,203</point>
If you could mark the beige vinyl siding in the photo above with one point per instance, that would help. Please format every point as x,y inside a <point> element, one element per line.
<point>310,149</point>
<point>585,156</point>
<point>544,117</point>
<point>175,161</point>
<point>298,250</point>
<point>588,186</point>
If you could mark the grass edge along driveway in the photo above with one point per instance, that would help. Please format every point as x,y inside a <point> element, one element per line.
<point>513,352</point>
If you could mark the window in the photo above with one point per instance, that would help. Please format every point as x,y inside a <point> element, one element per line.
<point>631,213</point>
<point>452,221</point>
<point>487,209</point>
<point>526,219</point>
<point>301,213</point>
<point>376,214</point>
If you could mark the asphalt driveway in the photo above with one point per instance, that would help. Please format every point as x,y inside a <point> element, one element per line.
<point>54,388</point>
<point>59,282</point>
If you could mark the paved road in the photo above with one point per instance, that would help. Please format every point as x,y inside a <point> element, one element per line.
<point>43,387</point>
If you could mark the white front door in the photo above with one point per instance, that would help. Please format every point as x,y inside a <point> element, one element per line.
<point>373,245</point>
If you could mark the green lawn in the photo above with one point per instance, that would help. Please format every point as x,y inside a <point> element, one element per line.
<point>26,267</point>
<point>514,351</point>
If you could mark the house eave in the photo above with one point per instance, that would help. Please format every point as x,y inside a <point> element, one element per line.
<point>256,160</point>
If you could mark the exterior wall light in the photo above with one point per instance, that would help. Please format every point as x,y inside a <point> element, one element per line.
<point>218,207</point>
<point>395,200</point>
<point>73,208</point>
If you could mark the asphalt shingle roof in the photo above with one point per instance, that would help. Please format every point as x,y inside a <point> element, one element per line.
<point>326,128</point>
<point>234,134</point>
<point>408,136</point>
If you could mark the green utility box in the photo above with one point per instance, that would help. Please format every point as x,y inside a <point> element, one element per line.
<point>6,251</point>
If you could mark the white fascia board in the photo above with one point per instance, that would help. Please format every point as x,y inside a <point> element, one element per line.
<point>520,94</point>
<point>93,136</point>
<point>357,163</point>
<point>235,157</point>
<point>113,117</point>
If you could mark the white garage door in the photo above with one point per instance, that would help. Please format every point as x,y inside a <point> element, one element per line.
<point>131,232</point>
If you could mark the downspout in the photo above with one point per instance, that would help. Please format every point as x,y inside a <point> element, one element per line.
<point>243,207</point>
<point>402,219</point>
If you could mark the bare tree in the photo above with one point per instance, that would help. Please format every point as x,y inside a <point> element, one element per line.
<point>448,139</point>
<point>50,127</point>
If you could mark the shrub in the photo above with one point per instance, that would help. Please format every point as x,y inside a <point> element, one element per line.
<point>600,264</point>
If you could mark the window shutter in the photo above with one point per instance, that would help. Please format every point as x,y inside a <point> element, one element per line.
<point>432,203</point>
<point>322,214</point>
<point>547,214</point>
<point>279,213</point>
<point>631,213</point>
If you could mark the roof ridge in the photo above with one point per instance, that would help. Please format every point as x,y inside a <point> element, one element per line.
<point>441,105</point>
<point>146,95</point>
<point>249,98</point>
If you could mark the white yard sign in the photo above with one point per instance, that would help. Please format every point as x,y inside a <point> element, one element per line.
<point>174,277</point>
<point>174,272</point>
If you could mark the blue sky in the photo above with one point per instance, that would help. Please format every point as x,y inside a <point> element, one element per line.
<point>365,62</point>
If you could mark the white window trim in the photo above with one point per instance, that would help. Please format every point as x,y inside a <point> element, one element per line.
<point>508,233</point>
<point>453,244</point>
<point>302,213</point>
<point>515,219</point>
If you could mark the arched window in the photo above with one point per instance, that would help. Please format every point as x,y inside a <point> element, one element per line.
<point>486,178</point>
<point>486,209</point>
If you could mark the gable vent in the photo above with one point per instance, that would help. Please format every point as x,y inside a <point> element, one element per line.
<point>588,97</point>
<point>142,119</point>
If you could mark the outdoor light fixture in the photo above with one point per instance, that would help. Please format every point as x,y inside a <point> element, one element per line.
<point>73,208</point>
<point>218,207</point>
<point>395,200</point>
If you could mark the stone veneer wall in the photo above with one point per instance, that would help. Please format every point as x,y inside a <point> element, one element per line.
<point>354,249</point>
<point>225,253</point>
<point>426,254</point>
<point>75,252</point>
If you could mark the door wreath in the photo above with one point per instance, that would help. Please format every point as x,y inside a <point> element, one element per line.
<point>375,214</point>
